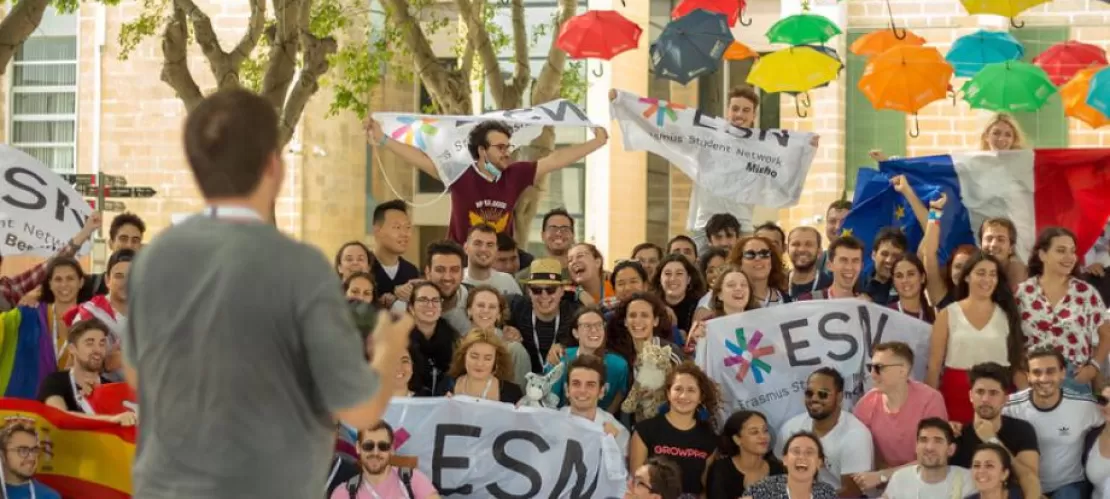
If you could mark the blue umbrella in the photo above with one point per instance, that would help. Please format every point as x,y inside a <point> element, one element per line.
<point>971,52</point>
<point>1098,95</point>
<point>691,46</point>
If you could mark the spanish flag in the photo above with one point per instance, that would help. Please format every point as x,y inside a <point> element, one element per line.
<point>81,458</point>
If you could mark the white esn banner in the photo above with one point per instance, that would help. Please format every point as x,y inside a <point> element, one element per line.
<point>39,212</point>
<point>761,358</point>
<point>444,138</point>
<point>479,448</point>
<point>757,166</point>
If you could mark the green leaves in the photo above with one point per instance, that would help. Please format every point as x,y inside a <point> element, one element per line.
<point>151,17</point>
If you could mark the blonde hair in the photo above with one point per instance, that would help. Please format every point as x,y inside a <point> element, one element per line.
<point>502,304</point>
<point>502,363</point>
<point>1019,135</point>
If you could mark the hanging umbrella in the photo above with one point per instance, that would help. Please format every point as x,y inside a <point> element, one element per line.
<point>1074,96</point>
<point>970,53</point>
<point>730,8</point>
<point>1010,86</point>
<point>802,98</point>
<point>793,69</point>
<point>599,34</point>
<point>1098,96</point>
<point>738,52</point>
<point>1004,8</point>
<point>877,42</point>
<point>906,79</point>
<point>801,29</point>
<point>1063,60</point>
<point>691,46</point>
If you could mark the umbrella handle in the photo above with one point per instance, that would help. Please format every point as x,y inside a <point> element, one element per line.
<point>742,23</point>
<point>1016,25</point>
<point>598,71</point>
<point>798,108</point>
<point>890,13</point>
<point>916,131</point>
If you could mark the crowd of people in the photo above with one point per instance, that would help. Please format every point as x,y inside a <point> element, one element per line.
<point>1013,403</point>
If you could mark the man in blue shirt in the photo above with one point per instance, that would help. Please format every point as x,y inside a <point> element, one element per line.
<point>21,450</point>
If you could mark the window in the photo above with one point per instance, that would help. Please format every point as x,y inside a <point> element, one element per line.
<point>566,189</point>
<point>867,128</point>
<point>1047,127</point>
<point>44,93</point>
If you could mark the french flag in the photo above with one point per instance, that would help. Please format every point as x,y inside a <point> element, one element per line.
<point>1033,188</point>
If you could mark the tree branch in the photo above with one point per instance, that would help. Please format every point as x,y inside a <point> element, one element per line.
<point>226,75</point>
<point>548,85</point>
<point>476,31</point>
<point>523,75</point>
<point>316,52</point>
<point>284,36</point>
<point>468,58</point>
<point>250,39</point>
<point>22,20</point>
<point>453,96</point>
<point>175,55</point>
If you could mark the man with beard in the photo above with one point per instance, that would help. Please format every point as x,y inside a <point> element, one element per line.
<point>845,264</point>
<point>558,236</point>
<point>847,442</point>
<point>722,231</point>
<point>69,390</point>
<point>889,246</point>
<point>932,477</point>
<point>997,237</point>
<point>380,479</point>
<point>834,217</point>
<point>989,384</point>
<point>803,247</point>
<point>20,444</point>
<point>444,267</point>
<point>543,317</point>
<point>1061,419</point>
<point>481,247</point>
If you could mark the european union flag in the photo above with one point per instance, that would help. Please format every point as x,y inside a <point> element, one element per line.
<point>931,175</point>
<point>877,205</point>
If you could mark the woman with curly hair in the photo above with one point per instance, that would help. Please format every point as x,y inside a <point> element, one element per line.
<point>639,320</point>
<point>680,285</point>
<point>481,367</point>
<point>757,257</point>
<point>684,433</point>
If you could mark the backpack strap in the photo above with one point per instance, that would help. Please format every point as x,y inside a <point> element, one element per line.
<point>406,480</point>
<point>353,484</point>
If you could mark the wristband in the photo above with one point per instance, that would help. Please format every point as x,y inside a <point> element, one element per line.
<point>935,215</point>
<point>385,138</point>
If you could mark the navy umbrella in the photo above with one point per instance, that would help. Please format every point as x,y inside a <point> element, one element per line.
<point>691,46</point>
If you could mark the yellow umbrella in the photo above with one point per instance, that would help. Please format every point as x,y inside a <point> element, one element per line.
<point>1074,94</point>
<point>793,69</point>
<point>1004,8</point>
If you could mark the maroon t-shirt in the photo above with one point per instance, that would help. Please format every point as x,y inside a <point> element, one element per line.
<point>475,200</point>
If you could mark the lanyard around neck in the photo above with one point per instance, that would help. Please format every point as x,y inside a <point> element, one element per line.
<point>536,335</point>
<point>920,313</point>
<point>78,395</point>
<point>374,493</point>
<point>232,212</point>
<point>812,289</point>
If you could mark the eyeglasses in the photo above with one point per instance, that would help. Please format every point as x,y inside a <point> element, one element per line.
<point>25,451</point>
<point>502,147</point>
<point>878,368</point>
<point>593,326</point>
<point>559,229</point>
<point>543,290</point>
<point>762,254</point>
<point>382,446</point>
<point>799,452</point>
<point>821,394</point>
<point>424,300</point>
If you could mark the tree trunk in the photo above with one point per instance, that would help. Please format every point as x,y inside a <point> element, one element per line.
<point>22,20</point>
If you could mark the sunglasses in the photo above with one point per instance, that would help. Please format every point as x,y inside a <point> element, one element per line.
<point>878,368</point>
<point>821,394</point>
<point>543,290</point>
<point>382,446</point>
<point>762,254</point>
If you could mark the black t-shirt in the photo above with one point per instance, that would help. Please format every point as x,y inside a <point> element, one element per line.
<point>881,293</point>
<point>520,317</point>
<point>384,284</point>
<point>59,383</point>
<point>431,357</point>
<point>689,449</point>
<point>684,311</point>
<point>1016,435</point>
<point>94,285</point>
<point>822,281</point>
<point>724,481</point>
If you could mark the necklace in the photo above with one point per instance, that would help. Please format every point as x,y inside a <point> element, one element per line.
<point>485,391</point>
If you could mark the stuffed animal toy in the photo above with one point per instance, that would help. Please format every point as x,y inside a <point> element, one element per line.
<point>537,393</point>
<point>653,364</point>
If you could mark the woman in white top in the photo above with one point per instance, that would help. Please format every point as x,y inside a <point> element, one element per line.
<point>732,294</point>
<point>1096,452</point>
<point>982,326</point>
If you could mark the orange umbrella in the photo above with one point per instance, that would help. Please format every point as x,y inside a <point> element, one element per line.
<point>877,42</point>
<point>738,52</point>
<point>1074,94</point>
<point>906,78</point>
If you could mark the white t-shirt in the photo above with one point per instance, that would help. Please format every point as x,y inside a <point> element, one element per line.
<point>703,205</point>
<point>504,283</point>
<point>906,483</point>
<point>1098,472</point>
<point>848,447</point>
<point>600,418</point>
<point>1060,432</point>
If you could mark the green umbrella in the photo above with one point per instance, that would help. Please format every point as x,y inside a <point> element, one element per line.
<point>1009,86</point>
<point>803,29</point>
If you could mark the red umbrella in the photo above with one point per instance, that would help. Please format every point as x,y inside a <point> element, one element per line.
<point>599,34</point>
<point>730,8</point>
<point>1063,60</point>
